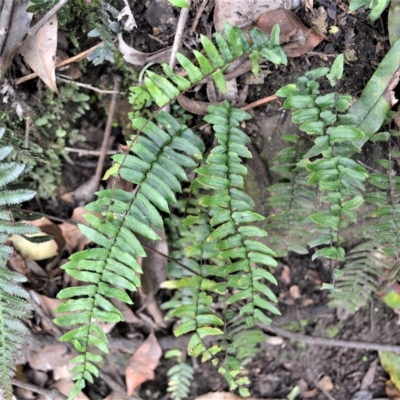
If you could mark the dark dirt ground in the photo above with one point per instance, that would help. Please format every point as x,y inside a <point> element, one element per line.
<point>284,364</point>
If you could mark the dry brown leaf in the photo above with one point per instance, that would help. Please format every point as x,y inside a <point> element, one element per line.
<point>39,52</point>
<point>16,29</point>
<point>36,269</point>
<point>295,292</point>
<point>295,37</point>
<point>325,383</point>
<point>74,238</point>
<point>135,57</point>
<point>49,357</point>
<point>72,70</point>
<point>142,364</point>
<point>127,313</point>
<point>113,396</point>
<point>47,304</point>
<point>65,387</point>
<point>286,275</point>
<point>237,12</point>
<point>17,264</point>
<point>83,192</point>
<point>193,106</point>
<point>154,273</point>
<point>308,5</point>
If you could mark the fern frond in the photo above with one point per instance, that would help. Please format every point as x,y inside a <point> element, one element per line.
<point>338,177</point>
<point>377,260</point>
<point>365,264</point>
<point>224,238</point>
<point>291,201</point>
<point>13,303</point>
<point>155,165</point>
<point>212,63</point>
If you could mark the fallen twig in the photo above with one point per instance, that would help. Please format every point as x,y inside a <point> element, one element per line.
<point>86,86</point>
<point>50,394</point>
<point>259,102</point>
<point>84,152</point>
<point>68,61</point>
<point>107,132</point>
<point>320,341</point>
<point>198,15</point>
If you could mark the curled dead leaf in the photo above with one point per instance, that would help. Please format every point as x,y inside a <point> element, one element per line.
<point>135,57</point>
<point>142,364</point>
<point>295,37</point>
<point>39,52</point>
<point>129,20</point>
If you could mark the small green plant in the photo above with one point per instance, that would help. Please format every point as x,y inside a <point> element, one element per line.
<point>54,128</point>
<point>180,376</point>
<point>377,6</point>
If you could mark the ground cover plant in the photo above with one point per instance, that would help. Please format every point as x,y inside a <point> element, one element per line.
<point>220,286</point>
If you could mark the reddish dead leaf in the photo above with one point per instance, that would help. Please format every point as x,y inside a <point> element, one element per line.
<point>295,37</point>
<point>142,364</point>
<point>39,52</point>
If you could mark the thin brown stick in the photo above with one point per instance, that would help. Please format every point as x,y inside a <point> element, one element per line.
<point>171,259</point>
<point>107,132</point>
<point>198,15</point>
<point>259,102</point>
<point>50,394</point>
<point>34,29</point>
<point>320,341</point>
<point>68,61</point>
